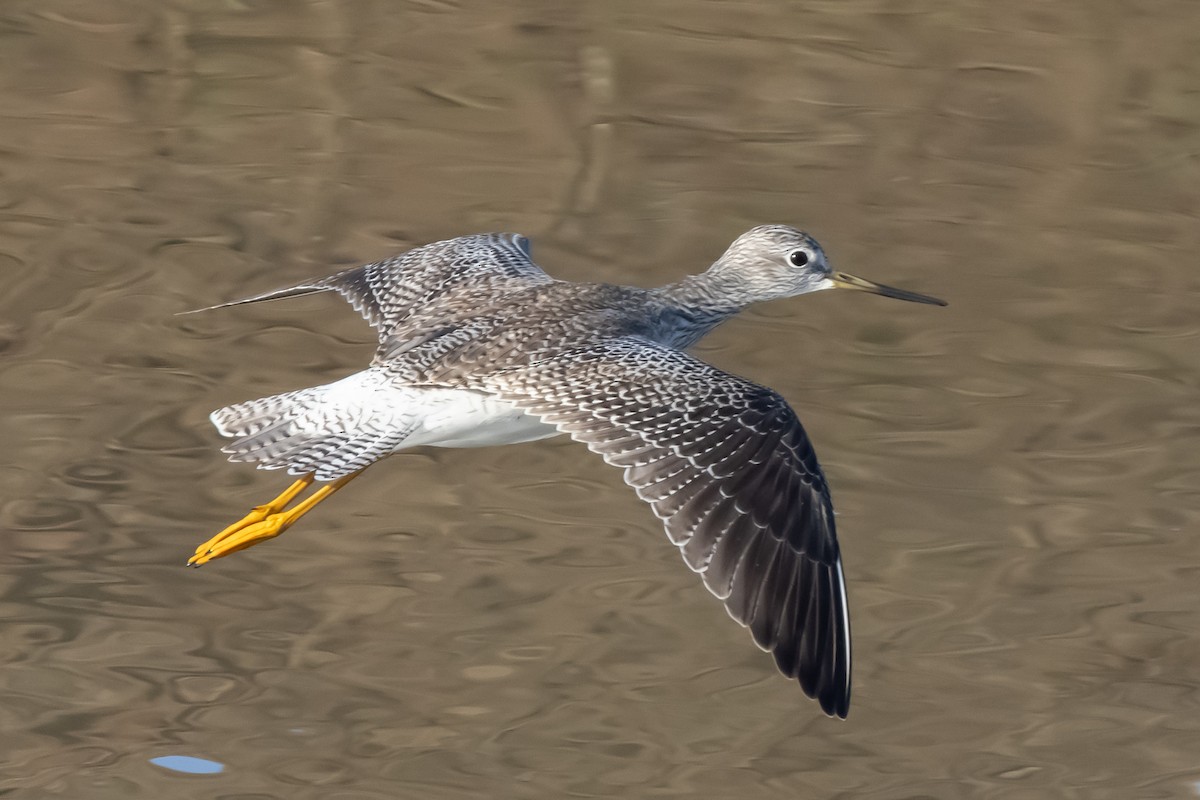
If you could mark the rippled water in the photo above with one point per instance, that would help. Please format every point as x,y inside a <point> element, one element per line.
<point>1016,475</point>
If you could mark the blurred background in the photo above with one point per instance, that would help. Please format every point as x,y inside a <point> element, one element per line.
<point>1017,475</point>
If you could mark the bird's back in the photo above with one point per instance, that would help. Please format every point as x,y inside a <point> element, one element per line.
<point>473,332</point>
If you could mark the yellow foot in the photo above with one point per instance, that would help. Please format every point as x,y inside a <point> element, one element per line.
<point>247,535</point>
<point>265,522</point>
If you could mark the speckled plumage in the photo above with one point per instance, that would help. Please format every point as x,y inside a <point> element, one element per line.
<point>477,345</point>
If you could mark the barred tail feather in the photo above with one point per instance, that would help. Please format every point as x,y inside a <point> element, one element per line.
<point>330,430</point>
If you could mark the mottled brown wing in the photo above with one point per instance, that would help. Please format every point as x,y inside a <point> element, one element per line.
<point>727,467</point>
<point>386,292</point>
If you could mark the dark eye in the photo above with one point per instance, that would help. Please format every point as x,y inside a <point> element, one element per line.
<point>799,258</point>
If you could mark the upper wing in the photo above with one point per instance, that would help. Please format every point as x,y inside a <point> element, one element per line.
<point>386,292</point>
<point>726,465</point>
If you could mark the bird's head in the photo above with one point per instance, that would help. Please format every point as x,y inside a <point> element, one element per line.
<point>776,261</point>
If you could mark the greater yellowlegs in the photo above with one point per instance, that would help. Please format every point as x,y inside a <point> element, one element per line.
<point>478,346</point>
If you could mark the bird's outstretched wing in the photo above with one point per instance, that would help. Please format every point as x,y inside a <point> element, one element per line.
<point>386,292</point>
<point>729,470</point>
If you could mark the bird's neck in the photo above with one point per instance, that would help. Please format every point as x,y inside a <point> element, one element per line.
<point>699,303</point>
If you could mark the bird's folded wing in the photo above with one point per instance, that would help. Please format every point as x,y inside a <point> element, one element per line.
<point>728,468</point>
<point>386,292</point>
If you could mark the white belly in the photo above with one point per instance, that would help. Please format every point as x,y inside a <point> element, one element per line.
<point>458,418</point>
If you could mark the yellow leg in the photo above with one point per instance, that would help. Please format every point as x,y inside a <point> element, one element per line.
<point>265,522</point>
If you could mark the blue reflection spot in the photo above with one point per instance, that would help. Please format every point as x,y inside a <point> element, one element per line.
<point>193,766</point>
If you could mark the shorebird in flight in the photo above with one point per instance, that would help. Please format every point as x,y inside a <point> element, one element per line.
<point>478,346</point>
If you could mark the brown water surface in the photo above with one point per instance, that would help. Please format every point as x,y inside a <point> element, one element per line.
<point>1017,476</point>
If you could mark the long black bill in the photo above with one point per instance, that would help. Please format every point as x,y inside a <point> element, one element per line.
<point>842,280</point>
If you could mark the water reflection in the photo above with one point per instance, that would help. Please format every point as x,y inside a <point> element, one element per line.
<point>188,764</point>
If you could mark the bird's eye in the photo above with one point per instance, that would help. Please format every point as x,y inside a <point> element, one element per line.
<point>799,258</point>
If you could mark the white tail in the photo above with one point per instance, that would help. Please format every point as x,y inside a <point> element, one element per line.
<point>329,430</point>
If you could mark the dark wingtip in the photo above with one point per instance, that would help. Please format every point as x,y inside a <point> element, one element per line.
<point>835,704</point>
